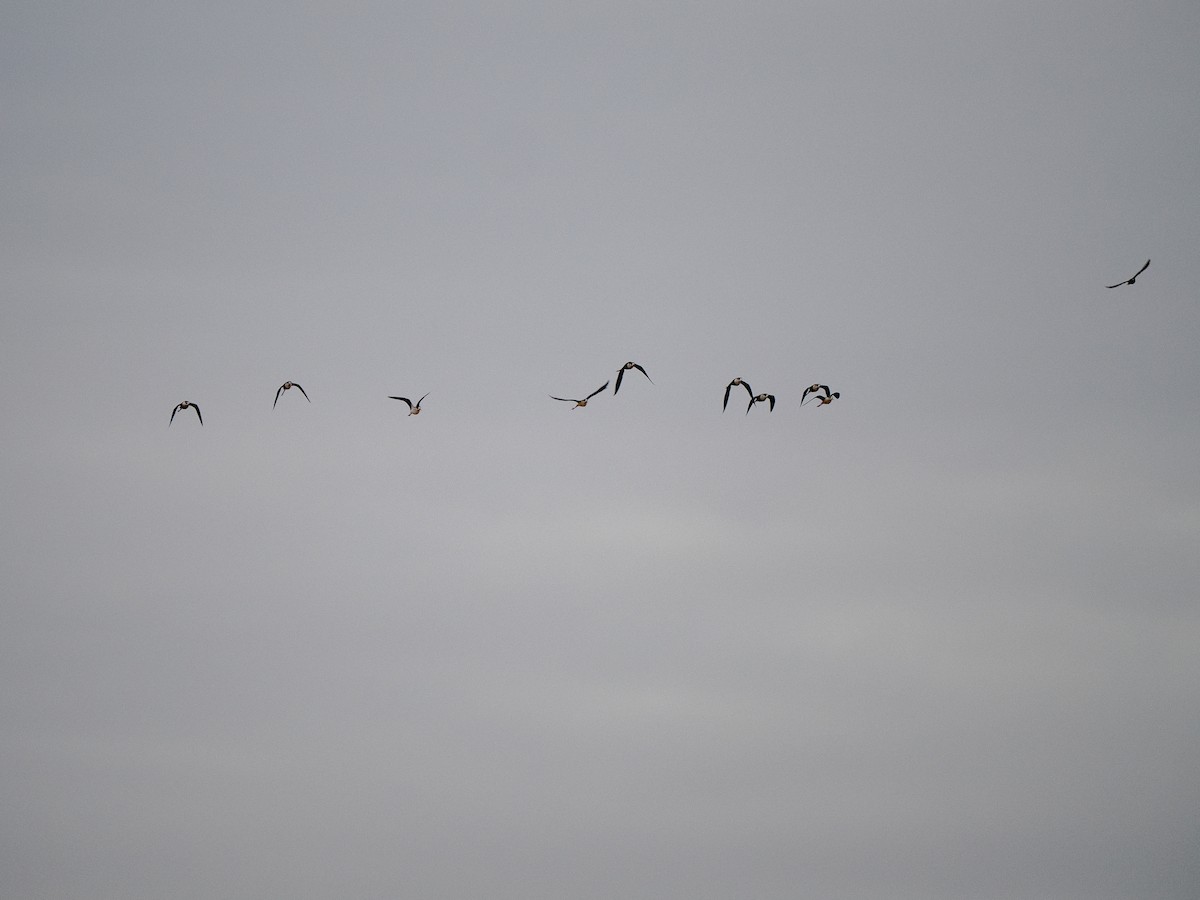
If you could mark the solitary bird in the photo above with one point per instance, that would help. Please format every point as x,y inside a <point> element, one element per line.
<point>287,386</point>
<point>762,398</point>
<point>186,404</point>
<point>412,410</point>
<point>815,389</point>
<point>736,381</point>
<point>583,402</point>
<point>1132,280</point>
<point>621,374</point>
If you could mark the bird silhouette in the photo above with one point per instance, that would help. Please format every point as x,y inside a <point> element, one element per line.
<point>736,381</point>
<point>1132,280</point>
<point>287,386</point>
<point>186,404</point>
<point>762,398</point>
<point>621,374</point>
<point>584,401</point>
<point>413,410</point>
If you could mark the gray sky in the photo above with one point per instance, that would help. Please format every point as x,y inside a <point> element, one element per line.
<point>939,639</point>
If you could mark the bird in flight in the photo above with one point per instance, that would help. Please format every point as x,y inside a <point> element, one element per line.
<point>815,389</point>
<point>736,381</point>
<point>816,392</point>
<point>621,374</point>
<point>287,386</point>
<point>186,404</point>
<point>412,410</point>
<point>583,402</point>
<point>1133,279</point>
<point>762,398</point>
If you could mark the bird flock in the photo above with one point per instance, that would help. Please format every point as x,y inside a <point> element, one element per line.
<point>415,408</point>
<point>821,393</point>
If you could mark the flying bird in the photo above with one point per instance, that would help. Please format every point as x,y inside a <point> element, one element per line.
<point>186,404</point>
<point>621,374</point>
<point>583,402</point>
<point>815,389</point>
<point>412,410</point>
<point>821,401</point>
<point>287,386</point>
<point>1132,280</point>
<point>762,398</point>
<point>736,381</point>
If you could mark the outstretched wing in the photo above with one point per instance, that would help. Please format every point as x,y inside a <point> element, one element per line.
<point>1143,268</point>
<point>198,416</point>
<point>771,408</point>
<point>620,375</point>
<point>277,393</point>
<point>405,399</point>
<point>643,371</point>
<point>422,400</point>
<point>563,399</point>
<point>746,385</point>
<point>749,405</point>
<point>301,391</point>
<point>728,388</point>
<point>178,407</point>
<point>807,391</point>
<point>596,391</point>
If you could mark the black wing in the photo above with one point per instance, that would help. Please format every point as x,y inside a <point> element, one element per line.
<point>771,408</point>
<point>198,416</point>
<point>746,385</point>
<point>620,375</point>
<point>422,400</point>
<point>1130,280</point>
<point>807,391</point>
<point>405,399</point>
<point>277,393</point>
<point>596,391</point>
<point>643,371</point>
<point>563,399</point>
<point>301,391</point>
<point>175,410</point>
<point>749,405</point>
<point>728,387</point>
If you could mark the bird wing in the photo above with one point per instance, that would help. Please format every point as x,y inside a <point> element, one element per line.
<point>563,399</point>
<point>620,375</point>
<point>807,391</point>
<point>643,371</point>
<point>1143,268</point>
<point>596,391</point>
<point>198,416</point>
<point>748,405</point>
<point>422,400</point>
<point>304,392</point>
<point>178,407</point>
<point>746,385</point>
<point>405,399</point>
<point>277,393</point>
<point>771,397</point>
<point>728,388</point>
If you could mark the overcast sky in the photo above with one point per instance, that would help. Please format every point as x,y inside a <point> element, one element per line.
<point>939,639</point>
